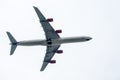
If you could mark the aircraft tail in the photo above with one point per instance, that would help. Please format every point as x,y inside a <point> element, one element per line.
<point>13,43</point>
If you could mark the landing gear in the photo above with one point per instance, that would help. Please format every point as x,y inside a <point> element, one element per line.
<point>49,42</point>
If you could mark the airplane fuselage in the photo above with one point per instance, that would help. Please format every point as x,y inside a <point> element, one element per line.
<point>53,41</point>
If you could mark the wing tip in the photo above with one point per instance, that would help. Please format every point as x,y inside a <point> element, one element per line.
<point>41,70</point>
<point>34,7</point>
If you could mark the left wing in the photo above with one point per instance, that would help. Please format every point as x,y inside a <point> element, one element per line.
<point>49,31</point>
<point>50,51</point>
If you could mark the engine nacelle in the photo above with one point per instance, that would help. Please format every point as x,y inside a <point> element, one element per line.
<point>50,20</point>
<point>59,51</point>
<point>53,61</point>
<point>58,31</point>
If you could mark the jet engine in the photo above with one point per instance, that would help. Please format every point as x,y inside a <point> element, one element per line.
<point>59,51</point>
<point>58,31</point>
<point>50,20</point>
<point>53,61</point>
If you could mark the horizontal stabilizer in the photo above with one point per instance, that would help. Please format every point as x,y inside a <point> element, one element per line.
<point>13,47</point>
<point>13,43</point>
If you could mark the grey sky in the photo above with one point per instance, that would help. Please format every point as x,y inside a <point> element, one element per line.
<point>98,59</point>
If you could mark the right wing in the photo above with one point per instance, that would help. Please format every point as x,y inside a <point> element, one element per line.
<point>49,31</point>
<point>50,52</point>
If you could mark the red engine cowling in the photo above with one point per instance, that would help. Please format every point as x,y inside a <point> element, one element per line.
<point>50,20</point>
<point>59,51</point>
<point>58,31</point>
<point>53,61</point>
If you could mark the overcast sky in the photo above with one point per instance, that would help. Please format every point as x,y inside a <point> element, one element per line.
<point>98,59</point>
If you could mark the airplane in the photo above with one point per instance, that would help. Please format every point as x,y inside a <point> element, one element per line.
<point>52,41</point>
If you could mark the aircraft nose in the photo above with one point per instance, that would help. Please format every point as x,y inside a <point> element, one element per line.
<point>88,38</point>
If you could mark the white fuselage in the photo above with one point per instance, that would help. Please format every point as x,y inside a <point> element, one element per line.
<point>54,41</point>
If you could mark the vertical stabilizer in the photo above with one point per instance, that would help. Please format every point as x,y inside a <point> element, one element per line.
<point>13,43</point>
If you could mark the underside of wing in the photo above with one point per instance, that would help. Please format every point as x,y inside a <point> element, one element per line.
<point>50,34</point>
<point>50,52</point>
<point>49,31</point>
<point>44,66</point>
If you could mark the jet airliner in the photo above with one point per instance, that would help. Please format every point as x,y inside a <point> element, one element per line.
<point>52,41</point>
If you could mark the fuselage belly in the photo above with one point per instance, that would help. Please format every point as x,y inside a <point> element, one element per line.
<point>53,41</point>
